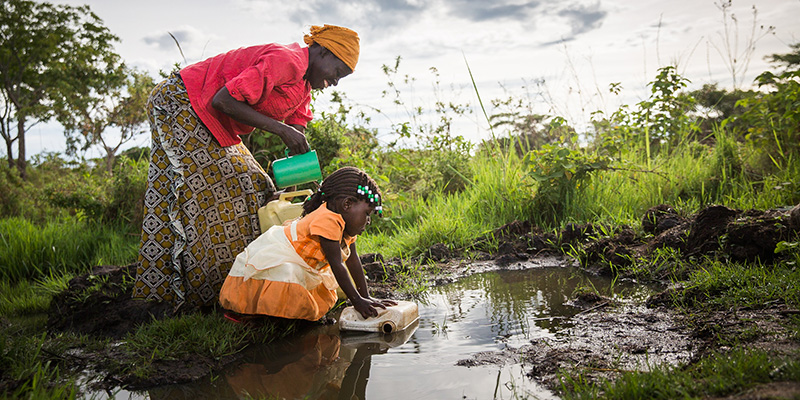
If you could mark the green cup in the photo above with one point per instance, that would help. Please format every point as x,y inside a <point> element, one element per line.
<point>297,169</point>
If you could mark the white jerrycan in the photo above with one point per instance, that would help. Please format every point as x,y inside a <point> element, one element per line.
<point>276,212</point>
<point>392,319</point>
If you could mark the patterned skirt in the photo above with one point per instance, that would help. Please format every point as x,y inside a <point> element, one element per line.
<point>201,204</point>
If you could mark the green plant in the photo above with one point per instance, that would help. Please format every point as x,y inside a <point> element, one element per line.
<point>656,124</point>
<point>127,189</point>
<point>206,335</point>
<point>444,165</point>
<point>772,119</point>
<point>560,173</point>
<point>184,335</point>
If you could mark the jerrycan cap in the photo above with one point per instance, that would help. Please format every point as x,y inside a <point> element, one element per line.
<point>296,169</point>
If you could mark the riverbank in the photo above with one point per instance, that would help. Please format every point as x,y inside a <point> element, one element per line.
<point>726,291</point>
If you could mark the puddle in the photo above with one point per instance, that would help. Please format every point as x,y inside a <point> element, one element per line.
<point>483,313</point>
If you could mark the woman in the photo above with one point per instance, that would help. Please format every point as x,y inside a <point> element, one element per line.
<point>204,186</point>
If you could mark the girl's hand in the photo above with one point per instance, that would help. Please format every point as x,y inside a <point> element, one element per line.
<point>366,308</point>
<point>383,302</point>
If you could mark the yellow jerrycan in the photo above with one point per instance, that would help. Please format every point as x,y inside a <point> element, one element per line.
<point>276,212</point>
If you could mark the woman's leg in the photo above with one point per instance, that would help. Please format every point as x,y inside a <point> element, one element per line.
<point>200,206</point>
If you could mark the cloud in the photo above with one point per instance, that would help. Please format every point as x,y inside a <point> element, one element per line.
<point>481,10</point>
<point>419,23</point>
<point>583,18</point>
<point>186,36</point>
<point>376,14</point>
<point>388,14</point>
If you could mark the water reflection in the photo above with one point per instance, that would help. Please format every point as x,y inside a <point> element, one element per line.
<point>484,312</point>
<point>322,365</point>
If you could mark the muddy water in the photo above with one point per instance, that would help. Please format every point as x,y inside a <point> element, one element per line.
<point>486,312</point>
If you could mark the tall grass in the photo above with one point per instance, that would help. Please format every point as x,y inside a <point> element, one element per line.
<point>30,251</point>
<point>689,177</point>
<point>499,192</point>
<point>623,195</point>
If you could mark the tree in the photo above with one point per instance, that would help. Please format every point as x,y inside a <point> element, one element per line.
<point>6,128</point>
<point>790,61</point>
<point>86,120</point>
<point>50,56</point>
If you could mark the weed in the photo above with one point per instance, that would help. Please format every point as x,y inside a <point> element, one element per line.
<point>182,336</point>
<point>716,375</point>
<point>440,329</point>
<point>722,285</point>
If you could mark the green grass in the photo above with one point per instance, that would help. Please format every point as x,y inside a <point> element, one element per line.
<point>723,285</point>
<point>500,192</point>
<point>23,359</point>
<point>26,297</point>
<point>717,375</point>
<point>43,385</point>
<point>194,335</point>
<point>211,336</point>
<point>29,251</point>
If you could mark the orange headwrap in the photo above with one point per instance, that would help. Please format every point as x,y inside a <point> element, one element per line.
<point>342,42</point>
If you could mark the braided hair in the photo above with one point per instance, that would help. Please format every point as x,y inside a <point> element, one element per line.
<point>342,183</point>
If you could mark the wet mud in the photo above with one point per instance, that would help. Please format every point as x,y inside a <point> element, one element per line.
<point>605,339</point>
<point>610,338</point>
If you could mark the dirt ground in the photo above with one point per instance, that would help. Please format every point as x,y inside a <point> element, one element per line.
<point>607,337</point>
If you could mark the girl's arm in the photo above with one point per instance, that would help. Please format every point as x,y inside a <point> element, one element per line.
<point>294,139</point>
<point>364,305</point>
<point>357,272</point>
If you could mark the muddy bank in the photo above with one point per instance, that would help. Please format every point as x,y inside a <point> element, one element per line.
<point>610,338</point>
<point>607,337</point>
<point>603,342</point>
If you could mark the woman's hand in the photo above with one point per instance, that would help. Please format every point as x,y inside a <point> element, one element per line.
<point>294,139</point>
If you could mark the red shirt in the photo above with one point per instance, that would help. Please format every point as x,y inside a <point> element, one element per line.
<point>268,77</point>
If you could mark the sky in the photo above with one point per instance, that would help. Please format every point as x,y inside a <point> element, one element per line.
<point>557,56</point>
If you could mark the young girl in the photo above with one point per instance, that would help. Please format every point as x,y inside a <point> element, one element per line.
<point>292,271</point>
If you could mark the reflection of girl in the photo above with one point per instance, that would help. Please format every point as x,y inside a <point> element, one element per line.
<point>204,186</point>
<point>292,271</point>
<point>311,367</point>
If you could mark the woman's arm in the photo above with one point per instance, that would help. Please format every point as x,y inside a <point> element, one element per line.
<point>299,128</point>
<point>242,112</point>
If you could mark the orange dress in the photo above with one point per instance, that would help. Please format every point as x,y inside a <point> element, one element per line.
<point>284,273</point>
